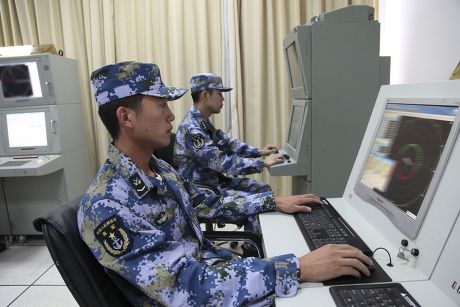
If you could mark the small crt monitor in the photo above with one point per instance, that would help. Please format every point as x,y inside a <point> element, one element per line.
<point>406,159</point>
<point>295,127</point>
<point>29,131</point>
<point>25,81</point>
<point>295,135</point>
<point>295,76</point>
<point>297,53</point>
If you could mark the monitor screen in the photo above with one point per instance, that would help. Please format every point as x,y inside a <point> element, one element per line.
<point>29,131</point>
<point>294,66</point>
<point>20,80</point>
<point>26,129</point>
<point>295,126</point>
<point>406,158</point>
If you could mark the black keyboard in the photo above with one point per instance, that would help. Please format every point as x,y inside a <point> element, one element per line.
<point>324,225</point>
<point>391,294</point>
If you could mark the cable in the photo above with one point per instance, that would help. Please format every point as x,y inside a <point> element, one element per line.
<point>389,256</point>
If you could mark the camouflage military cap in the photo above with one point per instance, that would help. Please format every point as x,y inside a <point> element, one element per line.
<point>207,81</point>
<point>125,79</point>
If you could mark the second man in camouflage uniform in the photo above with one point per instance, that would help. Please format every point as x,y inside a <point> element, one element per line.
<point>211,158</point>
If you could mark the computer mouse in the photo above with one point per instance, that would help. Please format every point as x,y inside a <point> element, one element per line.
<point>313,205</point>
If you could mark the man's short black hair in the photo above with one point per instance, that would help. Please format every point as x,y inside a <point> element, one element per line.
<point>108,112</point>
<point>196,95</point>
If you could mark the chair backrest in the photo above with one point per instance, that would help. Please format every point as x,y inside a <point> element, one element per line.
<point>167,153</point>
<point>84,276</point>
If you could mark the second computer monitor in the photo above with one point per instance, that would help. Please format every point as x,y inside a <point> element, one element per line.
<point>297,134</point>
<point>29,131</point>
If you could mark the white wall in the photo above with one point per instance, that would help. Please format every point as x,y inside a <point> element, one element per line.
<point>422,37</point>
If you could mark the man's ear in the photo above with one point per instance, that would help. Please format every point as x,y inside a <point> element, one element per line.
<point>204,95</point>
<point>124,116</point>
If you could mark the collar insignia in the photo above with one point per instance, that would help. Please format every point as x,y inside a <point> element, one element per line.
<point>204,125</point>
<point>139,185</point>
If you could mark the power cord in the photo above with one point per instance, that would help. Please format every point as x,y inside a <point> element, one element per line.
<point>389,256</point>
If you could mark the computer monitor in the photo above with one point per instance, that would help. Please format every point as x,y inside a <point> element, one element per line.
<point>297,50</point>
<point>407,157</point>
<point>295,77</point>
<point>36,80</point>
<point>296,128</point>
<point>23,81</point>
<point>20,80</point>
<point>29,131</point>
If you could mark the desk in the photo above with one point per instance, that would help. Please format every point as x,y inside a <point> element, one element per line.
<point>281,235</point>
<point>34,166</point>
<point>34,185</point>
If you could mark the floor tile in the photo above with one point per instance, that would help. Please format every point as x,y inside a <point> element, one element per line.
<point>30,241</point>
<point>23,265</point>
<point>52,277</point>
<point>9,294</point>
<point>45,296</point>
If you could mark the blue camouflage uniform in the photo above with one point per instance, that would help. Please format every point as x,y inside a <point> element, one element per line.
<point>144,230</point>
<point>209,157</point>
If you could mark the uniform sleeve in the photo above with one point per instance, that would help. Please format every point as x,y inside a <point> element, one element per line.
<point>234,145</point>
<point>227,162</point>
<point>221,209</point>
<point>173,272</point>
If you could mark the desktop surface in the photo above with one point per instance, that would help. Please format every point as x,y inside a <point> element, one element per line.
<point>408,275</point>
<point>424,292</point>
<point>34,165</point>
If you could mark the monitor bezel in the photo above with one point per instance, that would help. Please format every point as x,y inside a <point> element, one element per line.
<point>401,220</point>
<point>52,132</point>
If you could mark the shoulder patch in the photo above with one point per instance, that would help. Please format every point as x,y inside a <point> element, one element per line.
<point>114,236</point>
<point>197,141</point>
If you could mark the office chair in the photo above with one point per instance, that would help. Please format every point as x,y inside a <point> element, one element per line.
<point>84,276</point>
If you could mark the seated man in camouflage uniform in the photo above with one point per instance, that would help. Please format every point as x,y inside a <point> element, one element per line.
<point>139,217</point>
<point>209,157</point>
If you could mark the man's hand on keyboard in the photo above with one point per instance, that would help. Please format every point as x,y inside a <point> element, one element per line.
<point>296,203</point>
<point>333,260</point>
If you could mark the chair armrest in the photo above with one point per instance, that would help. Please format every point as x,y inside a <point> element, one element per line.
<point>230,236</point>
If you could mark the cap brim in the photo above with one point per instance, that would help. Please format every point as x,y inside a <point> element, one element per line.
<point>170,93</point>
<point>222,89</point>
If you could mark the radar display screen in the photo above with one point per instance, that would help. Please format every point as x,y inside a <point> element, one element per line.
<point>15,81</point>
